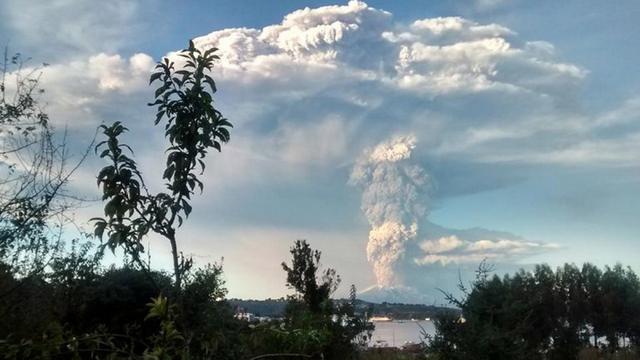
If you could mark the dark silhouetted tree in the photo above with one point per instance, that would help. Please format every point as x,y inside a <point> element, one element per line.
<point>306,278</point>
<point>35,168</point>
<point>541,314</point>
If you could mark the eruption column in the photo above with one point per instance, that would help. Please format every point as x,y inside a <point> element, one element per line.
<point>394,199</point>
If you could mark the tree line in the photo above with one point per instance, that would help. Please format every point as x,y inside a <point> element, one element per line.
<point>543,314</point>
<point>79,309</point>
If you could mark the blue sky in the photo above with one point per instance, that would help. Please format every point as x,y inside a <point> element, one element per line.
<point>518,117</point>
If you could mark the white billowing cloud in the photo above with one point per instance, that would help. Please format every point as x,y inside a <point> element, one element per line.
<point>316,89</point>
<point>82,94</point>
<point>353,67</point>
<point>114,73</point>
<point>450,249</point>
<point>108,72</point>
<point>479,58</point>
<point>431,56</point>
<point>324,33</point>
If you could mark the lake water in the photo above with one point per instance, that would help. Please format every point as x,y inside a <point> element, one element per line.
<point>398,333</point>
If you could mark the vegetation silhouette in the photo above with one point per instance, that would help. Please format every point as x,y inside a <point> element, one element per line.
<point>542,314</point>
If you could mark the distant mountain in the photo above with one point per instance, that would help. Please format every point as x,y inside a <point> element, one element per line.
<point>394,294</point>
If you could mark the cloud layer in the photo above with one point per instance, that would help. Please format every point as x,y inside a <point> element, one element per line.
<point>468,91</point>
<point>450,249</point>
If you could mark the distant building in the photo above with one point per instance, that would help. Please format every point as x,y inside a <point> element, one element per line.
<point>380,319</point>
<point>249,317</point>
<point>413,348</point>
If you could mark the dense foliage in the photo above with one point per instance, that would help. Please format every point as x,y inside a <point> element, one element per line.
<point>542,314</point>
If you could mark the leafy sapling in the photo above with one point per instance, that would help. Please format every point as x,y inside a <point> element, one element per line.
<point>193,126</point>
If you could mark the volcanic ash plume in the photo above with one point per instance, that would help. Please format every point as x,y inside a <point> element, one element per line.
<point>394,198</point>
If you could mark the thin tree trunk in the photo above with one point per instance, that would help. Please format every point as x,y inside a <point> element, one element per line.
<point>178,293</point>
<point>176,266</point>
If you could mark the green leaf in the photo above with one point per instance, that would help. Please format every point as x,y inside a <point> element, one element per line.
<point>160,90</point>
<point>210,51</point>
<point>110,209</point>
<point>207,97</point>
<point>225,122</point>
<point>168,173</point>
<point>159,116</point>
<point>100,226</point>
<point>154,77</point>
<point>212,84</point>
<point>187,208</point>
<point>100,144</point>
<point>104,172</point>
<point>225,134</point>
